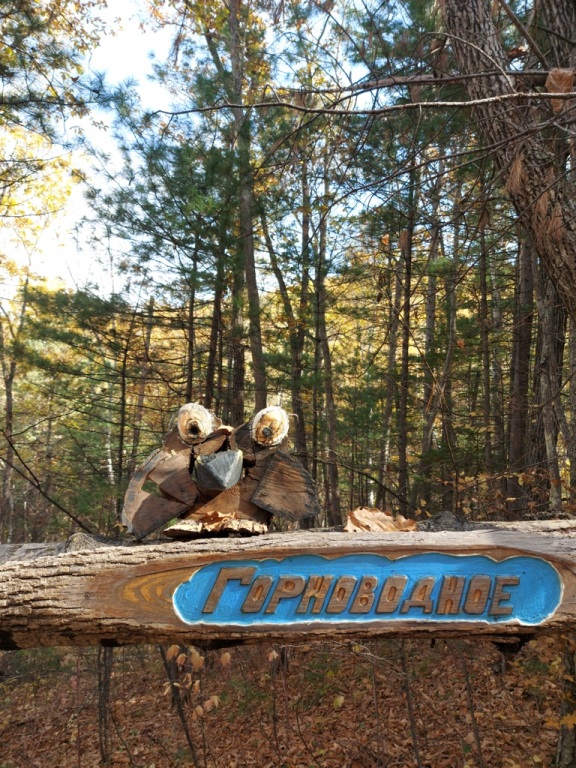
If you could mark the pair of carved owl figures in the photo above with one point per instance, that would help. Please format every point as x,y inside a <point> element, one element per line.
<point>219,480</point>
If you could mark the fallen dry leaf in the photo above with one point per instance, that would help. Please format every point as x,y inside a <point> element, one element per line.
<point>369,519</point>
<point>560,81</point>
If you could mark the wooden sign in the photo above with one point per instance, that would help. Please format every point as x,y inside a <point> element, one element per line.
<point>292,587</point>
<point>366,588</point>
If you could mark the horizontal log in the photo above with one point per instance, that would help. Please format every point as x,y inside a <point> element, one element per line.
<point>292,587</point>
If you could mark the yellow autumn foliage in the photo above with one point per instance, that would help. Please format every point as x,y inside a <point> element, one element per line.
<point>36,179</point>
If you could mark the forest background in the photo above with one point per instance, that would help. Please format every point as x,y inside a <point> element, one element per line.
<point>361,211</point>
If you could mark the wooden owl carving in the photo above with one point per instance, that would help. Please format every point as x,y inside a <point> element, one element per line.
<point>218,480</point>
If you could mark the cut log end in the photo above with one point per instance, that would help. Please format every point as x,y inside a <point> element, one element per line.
<point>270,426</point>
<point>195,423</point>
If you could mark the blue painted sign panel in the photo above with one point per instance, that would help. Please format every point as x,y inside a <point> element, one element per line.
<point>367,588</point>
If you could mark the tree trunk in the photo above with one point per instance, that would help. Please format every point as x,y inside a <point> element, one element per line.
<point>300,440</point>
<point>497,387</point>
<point>235,399</point>
<point>430,337</point>
<point>232,82</point>
<point>439,399</point>
<point>7,501</point>
<point>246,210</point>
<point>296,343</point>
<point>9,367</point>
<point>571,446</point>
<point>558,17</point>
<point>549,366</point>
<point>144,373</point>
<point>520,383</point>
<point>421,490</point>
<point>485,342</point>
<point>117,473</point>
<point>391,378</point>
<point>532,161</point>
<point>332,487</point>
<point>546,493</point>
<point>191,330</point>
<point>406,237</point>
<point>215,333</point>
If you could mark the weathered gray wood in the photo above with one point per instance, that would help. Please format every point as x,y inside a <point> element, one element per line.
<point>75,543</point>
<point>218,471</point>
<point>172,476</point>
<point>151,512</point>
<point>143,512</point>
<point>195,430</point>
<point>124,595</point>
<point>287,489</point>
<point>79,541</point>
<point>29,552</point>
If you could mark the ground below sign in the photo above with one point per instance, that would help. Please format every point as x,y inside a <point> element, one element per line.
<point>291,587</point>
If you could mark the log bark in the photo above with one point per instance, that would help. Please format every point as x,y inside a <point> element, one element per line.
<point>243,140</point>
<point>520,377</point>
<point>333,507</point>
<point>126,594</point>
<point>528,146</point>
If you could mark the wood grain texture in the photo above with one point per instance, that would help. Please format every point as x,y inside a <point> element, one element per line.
<point>172,476</point>
<point>286,489</point>
<point>123,595</point>
<point>143,512</point>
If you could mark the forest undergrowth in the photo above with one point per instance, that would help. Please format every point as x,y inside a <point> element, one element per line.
<point>393,704</point>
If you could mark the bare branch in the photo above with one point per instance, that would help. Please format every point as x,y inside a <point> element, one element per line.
<point>410,106</point>
<point>31,478</point>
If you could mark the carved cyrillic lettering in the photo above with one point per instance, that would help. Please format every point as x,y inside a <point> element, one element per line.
<point>257,595</point>
<point>317,595</point>
<point>341,594</point>
<point>243,574</point>
<point>316,591</point>
<point>420,597</point>
<point>364,599</point>
<point>478,593</point>
<point>391,594</point>
<point>499,595</point>
<point>450,595</point>
<point>287,586</point>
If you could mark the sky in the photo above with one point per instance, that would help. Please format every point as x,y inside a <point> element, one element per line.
<point>124,55</point>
